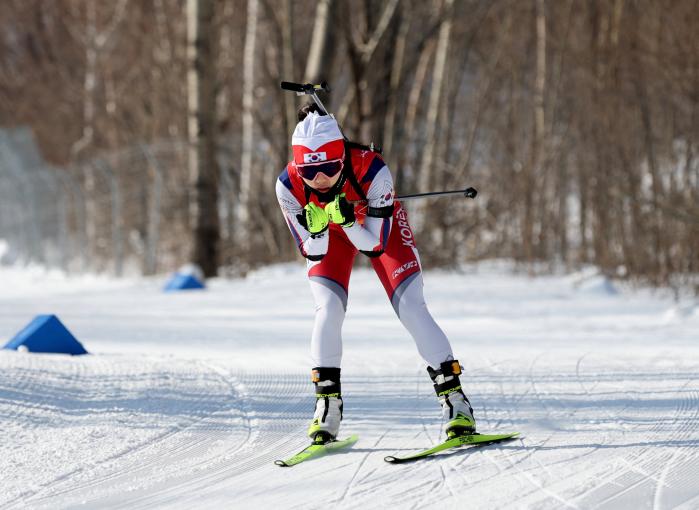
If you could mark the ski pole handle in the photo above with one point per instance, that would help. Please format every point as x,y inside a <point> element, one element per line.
<point>294,87</point>
<point>304,88</point>
<point>309,89</point>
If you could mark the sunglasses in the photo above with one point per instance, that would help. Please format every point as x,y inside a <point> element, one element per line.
<point>329,168</point>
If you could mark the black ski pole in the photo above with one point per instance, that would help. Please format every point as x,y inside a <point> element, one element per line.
<point>468,193</point>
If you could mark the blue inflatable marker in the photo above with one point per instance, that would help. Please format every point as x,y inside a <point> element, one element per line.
<point>46,334</point>
<point>188,277</point>
<point>183,282</point>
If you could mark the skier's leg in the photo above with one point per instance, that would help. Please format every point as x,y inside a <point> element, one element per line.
<point>409,304</point>
<point>400,273</point>
<point>329,281</point>
<point>326,340</point>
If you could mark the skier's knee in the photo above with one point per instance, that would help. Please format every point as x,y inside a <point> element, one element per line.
<point>331,306</point>
<point>411,304</point>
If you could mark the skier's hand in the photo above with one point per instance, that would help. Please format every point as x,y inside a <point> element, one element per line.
<point>340,211</point>
<point>316,218</point>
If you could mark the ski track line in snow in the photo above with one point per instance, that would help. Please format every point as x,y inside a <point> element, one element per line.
<point>546,490</point>
<point>414,441</point>
<point>348,487</point>
<point>64,484</point>
<point>646,461</point>
<point>622,459</point>
<point>557,480</point>
<point>280,409</point>
<point>690,425</point>
<point>610,466</point>
<point>224,469</point>
<point>615,479</point>
<point>17,388</point>
<point>194,452</point>
<point>519,474</point>
<point>43,392</point>
<point>274,436</point>
<point>363,487</point>
<point>184,447</point>
<point>518,464</point>
<point>625,481</point>
<point>150,456</point>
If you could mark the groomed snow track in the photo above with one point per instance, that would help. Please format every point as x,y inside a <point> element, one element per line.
<point>608,410</point>
<point>116,431</point>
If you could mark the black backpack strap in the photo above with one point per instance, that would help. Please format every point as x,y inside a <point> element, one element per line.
<point>376,212</point>
<point>349,171</point>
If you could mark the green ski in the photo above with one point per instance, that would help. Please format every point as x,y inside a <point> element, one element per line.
<point>317,450</point>
<point>456,442</point>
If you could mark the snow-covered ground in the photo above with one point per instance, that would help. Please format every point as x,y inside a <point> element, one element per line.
<point>187,399</point>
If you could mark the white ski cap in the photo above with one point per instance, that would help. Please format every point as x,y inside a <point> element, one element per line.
<point>315,131</point>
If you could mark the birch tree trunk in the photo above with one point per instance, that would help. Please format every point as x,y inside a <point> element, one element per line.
<point>90,83</point>
<point>408,156</point>
<point>425,179</point>
<point>322,44</point>
<point>287,26</point>
<point>96,41</point>
<point>534,167</point>
<point>203,167</point>
<point>396,75</point>
<point>248,140</point>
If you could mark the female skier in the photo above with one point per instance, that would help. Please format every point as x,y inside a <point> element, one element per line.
<point>316,192</point>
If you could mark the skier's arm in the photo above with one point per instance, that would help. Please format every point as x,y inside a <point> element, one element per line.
<point>311,246</point>
<point>371,238</point>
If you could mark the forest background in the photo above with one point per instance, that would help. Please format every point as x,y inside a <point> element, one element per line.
<point>161,128</point>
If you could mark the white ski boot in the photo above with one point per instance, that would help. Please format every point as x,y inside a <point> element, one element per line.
<point>456,409</point>
<point>328,409</point>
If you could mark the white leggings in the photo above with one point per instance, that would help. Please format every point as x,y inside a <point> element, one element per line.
<point>409,304</point>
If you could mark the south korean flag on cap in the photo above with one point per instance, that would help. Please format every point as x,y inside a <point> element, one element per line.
<point>314,157</point>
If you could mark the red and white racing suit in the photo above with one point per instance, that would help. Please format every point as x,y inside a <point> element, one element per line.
<point>386,238</point>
